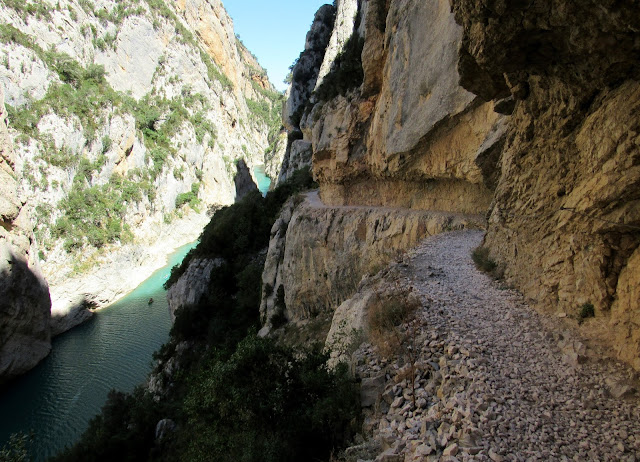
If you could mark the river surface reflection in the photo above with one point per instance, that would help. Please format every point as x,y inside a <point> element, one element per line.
<point>113,350</point>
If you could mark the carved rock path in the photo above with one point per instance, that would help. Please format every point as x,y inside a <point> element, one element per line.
<point>495,380</point>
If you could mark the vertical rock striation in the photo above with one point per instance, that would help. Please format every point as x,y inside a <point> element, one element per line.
<point>400,131</point>
<point>304,76</point>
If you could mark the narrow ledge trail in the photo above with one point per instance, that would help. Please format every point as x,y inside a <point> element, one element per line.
<point>496,381</point>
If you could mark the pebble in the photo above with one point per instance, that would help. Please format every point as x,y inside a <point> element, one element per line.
<point>495,380</point>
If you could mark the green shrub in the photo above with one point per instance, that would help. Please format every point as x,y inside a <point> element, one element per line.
<point>83,93</point>
<point>94,215</point>
<point>9,34</point>
<point>482,260</point>
<point>86,5</point>
<point>346,71</point>
<point>67,68</point>
<point>17,448</point>
<point>106,143</point>
<point>267,403</point>
<point>202,127</point>
<point>249,281</point>
<point>587,311</point>
<point>39,9</point>
<point>190,197</point>
<point>158,156</point>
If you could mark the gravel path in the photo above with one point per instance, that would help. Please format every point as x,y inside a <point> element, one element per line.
<point>496,381</point>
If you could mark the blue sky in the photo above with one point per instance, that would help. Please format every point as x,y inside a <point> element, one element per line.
<point>274,31</point>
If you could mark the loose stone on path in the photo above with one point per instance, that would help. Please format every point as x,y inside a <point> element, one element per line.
<point>495,381</point>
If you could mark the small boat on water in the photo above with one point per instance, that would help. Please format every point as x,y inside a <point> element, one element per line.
<point>150,301</point>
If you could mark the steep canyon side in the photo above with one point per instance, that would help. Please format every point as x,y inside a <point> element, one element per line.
<point>128,118</point>
<point>25,336</point>
<point>528,114</point>
<point>565,218</point>
<point>404,134</point>
<point>399,150</point>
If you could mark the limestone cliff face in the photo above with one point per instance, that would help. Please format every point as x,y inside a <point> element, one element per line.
<point>345,13</point>
<point>243,181</point>
<point>304,76</point>
<point>25,336</point>
<point>566,212</point>
<point>398,148</point>
<point>525,112</point>
<point>192,285</point>
<point>211,23</point>
<point>318,254</point>
<point>406,134</point>
<point>143,106</point>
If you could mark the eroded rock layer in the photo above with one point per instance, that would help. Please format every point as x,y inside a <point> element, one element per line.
<point>565,221</point>
<point>409,135</point>
<point>526,111</point>
<point>318,254</point>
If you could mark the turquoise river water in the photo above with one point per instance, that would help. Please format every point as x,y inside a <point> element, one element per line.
<point>264,182</point>
<point>112,350</point>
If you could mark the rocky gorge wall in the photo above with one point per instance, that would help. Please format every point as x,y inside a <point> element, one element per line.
<point>566,211</point>
<point>25,336</point>
<point>405,134</point>
<point>142,106</point>
<point>127,119</point>
<point>525,113</point>
<point>399,150</point>
<point>304,76</point>
<point>318,254</point>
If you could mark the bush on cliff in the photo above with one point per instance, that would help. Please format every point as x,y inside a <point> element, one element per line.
<point>258,402</point>
<point>236,234</point>
<point>346,71</point>
<point>266,403</point>
<point>123,431</point>
<point>239,230</point>
<point>235,397</point>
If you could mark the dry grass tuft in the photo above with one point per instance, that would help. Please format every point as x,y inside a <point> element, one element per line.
<point>386,317</point>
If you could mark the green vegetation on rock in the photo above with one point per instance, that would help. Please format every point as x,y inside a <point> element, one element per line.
<point>165,121</point>
<point>236,397</point>
<point>267,403</point>
<point>244,227</point>
<point>190,198</point>
<point>587,310</point>
<point>38,9</point>
<point>85,94</point>
<point>346,71</point>
<point>483,261</point>
<point>94,215</point>
<point>16,449</point>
